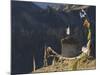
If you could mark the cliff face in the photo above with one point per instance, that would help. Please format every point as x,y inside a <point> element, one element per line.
<point>33,28</point>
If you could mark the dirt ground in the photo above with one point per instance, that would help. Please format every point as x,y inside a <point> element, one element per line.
<point>85,63</point>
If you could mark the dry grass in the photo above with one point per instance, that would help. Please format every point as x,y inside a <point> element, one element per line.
<point>84,63</point>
